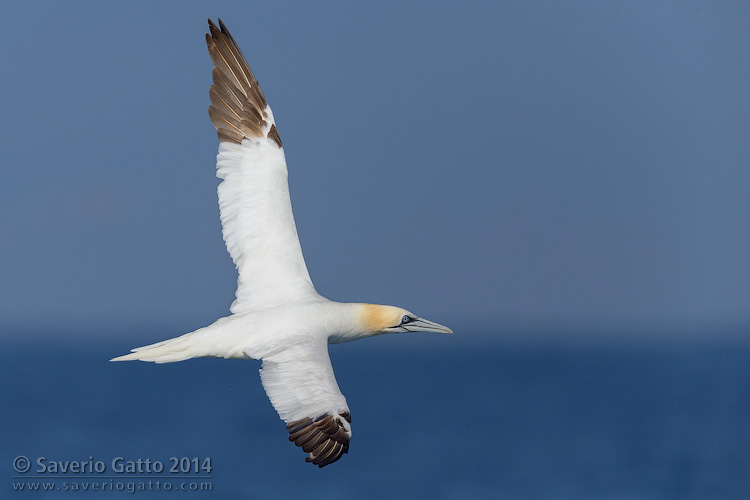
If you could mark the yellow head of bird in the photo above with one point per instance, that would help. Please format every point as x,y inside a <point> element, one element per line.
<point>388,319</point>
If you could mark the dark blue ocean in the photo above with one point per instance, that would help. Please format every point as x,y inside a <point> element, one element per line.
<point>434,416</point>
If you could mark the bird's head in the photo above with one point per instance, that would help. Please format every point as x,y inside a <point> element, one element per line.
<point>388,319</point>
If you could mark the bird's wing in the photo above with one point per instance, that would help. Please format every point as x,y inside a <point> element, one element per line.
<point>300,383</point>
<point>256,212</point>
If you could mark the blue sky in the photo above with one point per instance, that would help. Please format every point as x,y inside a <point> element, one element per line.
<point>523,165</point>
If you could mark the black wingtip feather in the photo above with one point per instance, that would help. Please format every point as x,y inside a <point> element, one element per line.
<point>325,438</point>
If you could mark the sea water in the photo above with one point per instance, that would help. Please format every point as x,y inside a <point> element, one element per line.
<point>433,416</point>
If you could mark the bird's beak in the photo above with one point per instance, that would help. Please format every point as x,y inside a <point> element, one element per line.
<point>422,325</point>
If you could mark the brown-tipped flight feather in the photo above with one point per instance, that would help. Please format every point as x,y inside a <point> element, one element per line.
<point>325,438</point>
<point>237,103</point>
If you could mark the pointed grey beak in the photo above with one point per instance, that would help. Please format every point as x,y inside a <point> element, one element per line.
<point>422,325</point>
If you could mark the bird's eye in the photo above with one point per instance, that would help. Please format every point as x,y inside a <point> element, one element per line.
<point>405,319</point>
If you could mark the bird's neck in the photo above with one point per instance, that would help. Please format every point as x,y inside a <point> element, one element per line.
<point>350,321</point>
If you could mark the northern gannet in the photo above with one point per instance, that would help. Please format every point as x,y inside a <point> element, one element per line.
<point>277,316</point>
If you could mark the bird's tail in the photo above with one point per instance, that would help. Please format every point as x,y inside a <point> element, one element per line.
<point>167,351</point>
<point>222,339</point>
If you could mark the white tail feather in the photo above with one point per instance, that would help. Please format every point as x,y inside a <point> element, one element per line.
<point>222,339</point>
<point>167,351</point>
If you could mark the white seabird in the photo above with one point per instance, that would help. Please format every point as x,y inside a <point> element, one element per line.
<point>277,316</point>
